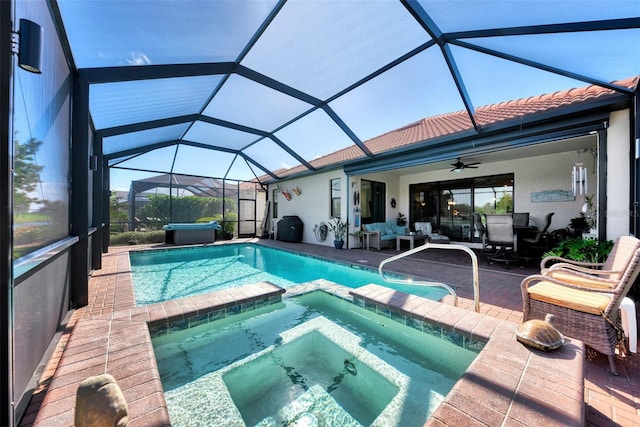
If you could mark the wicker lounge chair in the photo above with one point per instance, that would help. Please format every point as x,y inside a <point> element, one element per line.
<point>585,298</point>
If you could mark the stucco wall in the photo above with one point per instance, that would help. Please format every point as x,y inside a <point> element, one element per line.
<point>312,205</point>
<point>618,170</point>
<point>533,174</point>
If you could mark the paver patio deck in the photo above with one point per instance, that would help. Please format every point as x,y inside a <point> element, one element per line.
<point>609,400</point>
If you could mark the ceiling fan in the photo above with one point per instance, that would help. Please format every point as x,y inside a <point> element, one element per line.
<point>459,165</point>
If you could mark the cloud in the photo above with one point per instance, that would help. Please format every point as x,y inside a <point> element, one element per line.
<point>138,58</point>
<point>286,166</point>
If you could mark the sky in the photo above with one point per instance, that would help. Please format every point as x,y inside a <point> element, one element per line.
<point>320,48</point>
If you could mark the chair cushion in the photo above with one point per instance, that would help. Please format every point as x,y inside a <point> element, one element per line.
<point>574,299</point>
<point>372,227</point>
<point>565,276</point>
<point>438,238</point>
<point>388,228</point>
<point>424,227</point>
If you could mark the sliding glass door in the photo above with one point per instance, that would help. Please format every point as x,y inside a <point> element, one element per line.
<point>372,197</point>
<point>449,205</point>
<point>455,210</point>
<point>493,194</point>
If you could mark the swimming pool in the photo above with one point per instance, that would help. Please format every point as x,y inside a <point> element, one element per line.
<point>287,363</point>
<point>161,275</point>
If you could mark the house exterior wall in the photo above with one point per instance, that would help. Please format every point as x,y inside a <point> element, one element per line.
<point>531,174</point>
<point>551,172</point>
<point>313,203</point>
<point>618,173</point>
<point>312,206</point>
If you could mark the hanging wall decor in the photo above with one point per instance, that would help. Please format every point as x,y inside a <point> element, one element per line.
<point>579,179</point>
<point>297,190</point>
<point>552,196</point>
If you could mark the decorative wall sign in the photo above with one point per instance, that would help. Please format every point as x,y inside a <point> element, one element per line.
<point>553,196</point>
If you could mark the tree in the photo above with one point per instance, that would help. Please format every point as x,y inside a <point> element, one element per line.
<point>26,174</point>
<point>183,209</point>
<point>118,213</point>
<point>505,203</point>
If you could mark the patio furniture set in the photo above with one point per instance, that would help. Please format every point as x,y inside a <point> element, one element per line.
<point>379,234</point>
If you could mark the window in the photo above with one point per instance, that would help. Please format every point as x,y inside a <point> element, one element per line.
<point>493,194</point>
<point>336,201</point>
<point>275,203</point>
<point>449,205</point>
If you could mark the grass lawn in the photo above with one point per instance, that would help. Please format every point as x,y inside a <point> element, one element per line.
<point>30,217</point>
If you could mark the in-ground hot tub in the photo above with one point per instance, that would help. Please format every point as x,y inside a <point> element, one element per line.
<point>191,233</point>
<point>311,357</point>
<point>317,371</point>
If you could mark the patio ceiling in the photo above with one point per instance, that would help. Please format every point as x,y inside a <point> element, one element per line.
<point>239,89</point>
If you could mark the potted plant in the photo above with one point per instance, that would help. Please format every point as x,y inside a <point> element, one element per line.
<point>589,212</point>
<point>579,225</point>
<point>584,250</point>
<point>401,220</point>
<point>339,229</point>
<point>358,235</point>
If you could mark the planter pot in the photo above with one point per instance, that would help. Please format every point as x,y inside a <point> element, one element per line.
<point>338,244</point>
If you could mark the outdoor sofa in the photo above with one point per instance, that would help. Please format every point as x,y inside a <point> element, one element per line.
<point>383,234</point>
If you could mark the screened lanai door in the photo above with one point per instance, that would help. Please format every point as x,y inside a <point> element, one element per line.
<point>247,218</point>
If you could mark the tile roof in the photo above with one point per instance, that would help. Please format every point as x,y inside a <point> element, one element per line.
<point>458,121</point>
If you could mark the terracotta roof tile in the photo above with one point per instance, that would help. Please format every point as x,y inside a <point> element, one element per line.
<point>451,123</point>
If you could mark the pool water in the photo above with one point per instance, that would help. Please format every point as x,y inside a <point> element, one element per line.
<point>211,374</point>
<point>161,275</point>
<point>318,371</point>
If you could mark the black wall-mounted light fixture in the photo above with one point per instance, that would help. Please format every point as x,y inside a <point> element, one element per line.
<point>393,202</point>
<point>27,43</point>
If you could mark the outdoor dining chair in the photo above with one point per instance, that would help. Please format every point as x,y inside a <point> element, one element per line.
<point>479,226</point>
<point>537,244</point>
<point>500,234</point>
<point>585,298</point>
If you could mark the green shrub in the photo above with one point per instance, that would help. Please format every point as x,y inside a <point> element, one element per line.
<point>165,209</point>
<point>583,250</point>
<point>228,226</point>
<point>137,238</point>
